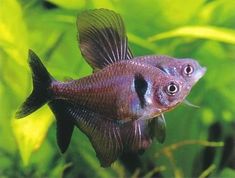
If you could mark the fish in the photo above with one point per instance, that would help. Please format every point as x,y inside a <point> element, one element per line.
<point>102,40</point>
<point>104,104</point>
<point>116,105</point>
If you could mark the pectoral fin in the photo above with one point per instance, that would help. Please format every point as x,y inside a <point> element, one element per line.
<point>102,38</point>
<point>136,135</point>
<point>158,128</point>
<point>188,103</point>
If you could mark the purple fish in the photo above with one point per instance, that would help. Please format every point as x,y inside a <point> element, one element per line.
<point>103,40</point>
<point>104,103</point>
<point>114,105</point>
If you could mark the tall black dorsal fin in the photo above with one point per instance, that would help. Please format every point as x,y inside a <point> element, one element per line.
<point>102,37</point>
<point>64,124</point>
<point>104,134</point>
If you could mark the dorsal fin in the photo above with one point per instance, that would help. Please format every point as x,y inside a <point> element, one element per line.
<point>102,38</point>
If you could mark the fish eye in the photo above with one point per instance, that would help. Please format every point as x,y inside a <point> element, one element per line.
<point>188,70</point>
<point>172,89</point>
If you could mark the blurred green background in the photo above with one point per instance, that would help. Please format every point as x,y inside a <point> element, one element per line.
<point>200,29</point>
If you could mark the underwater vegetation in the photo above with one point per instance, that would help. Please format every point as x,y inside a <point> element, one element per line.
<point>199,142</point>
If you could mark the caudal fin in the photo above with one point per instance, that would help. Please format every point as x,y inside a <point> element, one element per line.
<point>41,82</point>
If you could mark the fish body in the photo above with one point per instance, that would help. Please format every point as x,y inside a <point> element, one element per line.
<point>124,91</point>
<point>104,105</point>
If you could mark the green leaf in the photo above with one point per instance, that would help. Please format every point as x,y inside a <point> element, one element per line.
<point>31,131</point>
<point>227,173</point>
<point>103,4</point>
<point>179,11</point>
<point>202,32</point>
<point>142,42</point>
<point>13,31</point>
<point>72,4</point>
<point>87,153</point>
<point>59,169</point>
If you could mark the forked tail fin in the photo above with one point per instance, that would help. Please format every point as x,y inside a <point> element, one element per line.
<point>41,83</point>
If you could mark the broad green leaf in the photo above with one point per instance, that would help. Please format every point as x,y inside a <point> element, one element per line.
<point>13,31</point>
<point>5,37</point>
<point>202,32</point>
<point>31,131</point>
<point>15,75</point>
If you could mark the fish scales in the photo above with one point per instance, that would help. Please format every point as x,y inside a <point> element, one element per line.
<point>109,91</point>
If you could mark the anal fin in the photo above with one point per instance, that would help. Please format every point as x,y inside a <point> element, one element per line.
<point>65,125</point>
<point>103,134</point>
<point>109,139</point>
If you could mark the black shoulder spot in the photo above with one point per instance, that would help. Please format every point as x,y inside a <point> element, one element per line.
<point>141,86</point>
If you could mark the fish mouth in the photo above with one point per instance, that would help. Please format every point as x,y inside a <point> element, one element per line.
<point>200,73</point>
<point>204,69</point>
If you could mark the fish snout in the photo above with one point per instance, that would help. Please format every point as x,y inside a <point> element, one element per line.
<point>200,73</point>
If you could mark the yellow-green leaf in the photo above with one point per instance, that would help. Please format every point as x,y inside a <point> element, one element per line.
<point>202,32</point>
<point>13,32</point>
<point>142,42</point>
<point>103,4</point>
<point>72,4</point>
<point>31,131</point>
<point>179,11</point>
<point>227,172</point>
